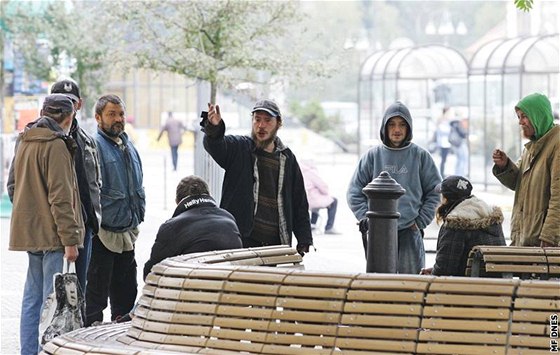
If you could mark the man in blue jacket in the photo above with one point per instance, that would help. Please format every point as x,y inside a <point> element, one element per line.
<point>112,269</point>
<point>414,169</point>
<point>263,186</point>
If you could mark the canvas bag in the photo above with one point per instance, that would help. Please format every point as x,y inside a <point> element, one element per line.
<point>64,307</point>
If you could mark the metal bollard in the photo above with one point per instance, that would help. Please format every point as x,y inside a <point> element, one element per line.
<point>382,246</point>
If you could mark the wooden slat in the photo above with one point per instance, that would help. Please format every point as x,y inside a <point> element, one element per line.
<point>542,304</point>
<point>519,259</point>
<point>531,316</point>
<point>304,328</point>
<point>462,337</point>
<point>465,325</point>
<point>382,308</point>
<point>248,300</point>
<point>288,350</point>
<point>374,344</point>
<point>314,317</point>
<point>527,351</point>
<point>528,328</point>
<point>472,300</point>
<point>241,323</point>
<point>512,250</point>
<point>300,339</point>
<point>459,349</point>
<point>473,288</point>
<point>172,317</point>
<point>377,332</point>
<point>380,321</point>
<point>309,304</point>
<point>491,267</point>
<point>246,312</point>
<point>530,341</point>
<point>312,292</point>
<point>466,312</point>
<point>387,296</point>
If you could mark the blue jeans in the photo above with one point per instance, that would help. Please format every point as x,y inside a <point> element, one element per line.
<point>38,285</point>
<point>174,156</point>
<point>82,262</point>
<point>331,214</point>
<point>412,255</point>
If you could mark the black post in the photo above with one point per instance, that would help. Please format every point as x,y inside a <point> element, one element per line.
<point>382,246</point>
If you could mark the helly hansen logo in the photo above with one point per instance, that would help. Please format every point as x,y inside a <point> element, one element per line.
<point>197,201</point>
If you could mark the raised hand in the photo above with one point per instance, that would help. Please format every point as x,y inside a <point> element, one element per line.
<point>214,116</point>
<point>500,158</point>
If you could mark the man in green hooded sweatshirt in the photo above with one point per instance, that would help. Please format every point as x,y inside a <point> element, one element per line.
<point>535,219</point>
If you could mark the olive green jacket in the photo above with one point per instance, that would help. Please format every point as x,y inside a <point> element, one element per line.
<point>536,182</point>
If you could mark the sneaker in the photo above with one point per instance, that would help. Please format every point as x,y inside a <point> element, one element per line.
<point>332,231</point>
<point>313,227</point>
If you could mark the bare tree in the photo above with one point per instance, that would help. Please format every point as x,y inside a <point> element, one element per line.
<point>221,42</point>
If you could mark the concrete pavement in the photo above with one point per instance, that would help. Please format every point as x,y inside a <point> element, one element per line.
<point>337,253</point>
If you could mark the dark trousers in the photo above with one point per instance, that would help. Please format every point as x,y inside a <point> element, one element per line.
<point>444,152</point>
<point>110,275</point>
<point>174,156</point>
<point>331,214</point>
<point>82,262</point>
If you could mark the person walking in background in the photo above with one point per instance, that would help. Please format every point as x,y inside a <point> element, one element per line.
<point>86,164</point>
<point>465,221</point>
<point>112,269</point>
<point>535,178</point>
<point>318,196</point>
<point>458,140</point>
<point>175,129</point>
<point>263,186</point>
<point>197,225</point>
<point>443,130</point>
<point>414,169</point>
<point>46,219</point>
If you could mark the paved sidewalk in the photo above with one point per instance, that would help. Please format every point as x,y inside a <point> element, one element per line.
<point>338,253</point>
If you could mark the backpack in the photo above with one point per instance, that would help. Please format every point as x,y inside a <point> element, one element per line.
<point>455,137</point>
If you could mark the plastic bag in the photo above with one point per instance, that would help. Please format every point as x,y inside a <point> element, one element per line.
<point>64,307</point>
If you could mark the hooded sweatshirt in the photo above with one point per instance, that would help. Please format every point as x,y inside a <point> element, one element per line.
<point>539,111</point>
<point>410,165</point>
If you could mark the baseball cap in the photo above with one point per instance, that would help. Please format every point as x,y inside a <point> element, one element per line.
<point>268,106</point>
<point>68,88</point>
<point>455,186</point>
<point>58,103</point>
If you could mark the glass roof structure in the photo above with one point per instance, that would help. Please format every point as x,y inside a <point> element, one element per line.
<point>485,89</point>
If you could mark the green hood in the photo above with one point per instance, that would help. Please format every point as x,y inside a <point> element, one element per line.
<point>537,107</point>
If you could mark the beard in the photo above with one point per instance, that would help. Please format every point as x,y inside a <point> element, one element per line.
<point>263,144</point>
<point>114,130</point>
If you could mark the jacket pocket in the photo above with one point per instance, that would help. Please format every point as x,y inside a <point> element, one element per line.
<point>115,211</point>
<point>141,203</point>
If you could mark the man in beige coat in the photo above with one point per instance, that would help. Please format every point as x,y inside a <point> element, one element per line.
<point>536,176</point>
<point>47,219</point>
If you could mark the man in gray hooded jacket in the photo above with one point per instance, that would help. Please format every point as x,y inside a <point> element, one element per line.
<point>414,169</point>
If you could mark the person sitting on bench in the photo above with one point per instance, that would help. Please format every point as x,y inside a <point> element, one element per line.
<point>467,221</point>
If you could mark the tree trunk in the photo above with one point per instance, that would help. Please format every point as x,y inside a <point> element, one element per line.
<point>213,91</point>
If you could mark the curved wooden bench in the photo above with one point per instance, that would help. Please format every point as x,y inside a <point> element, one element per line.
<point>508,262</point>
<point>212,303</point>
